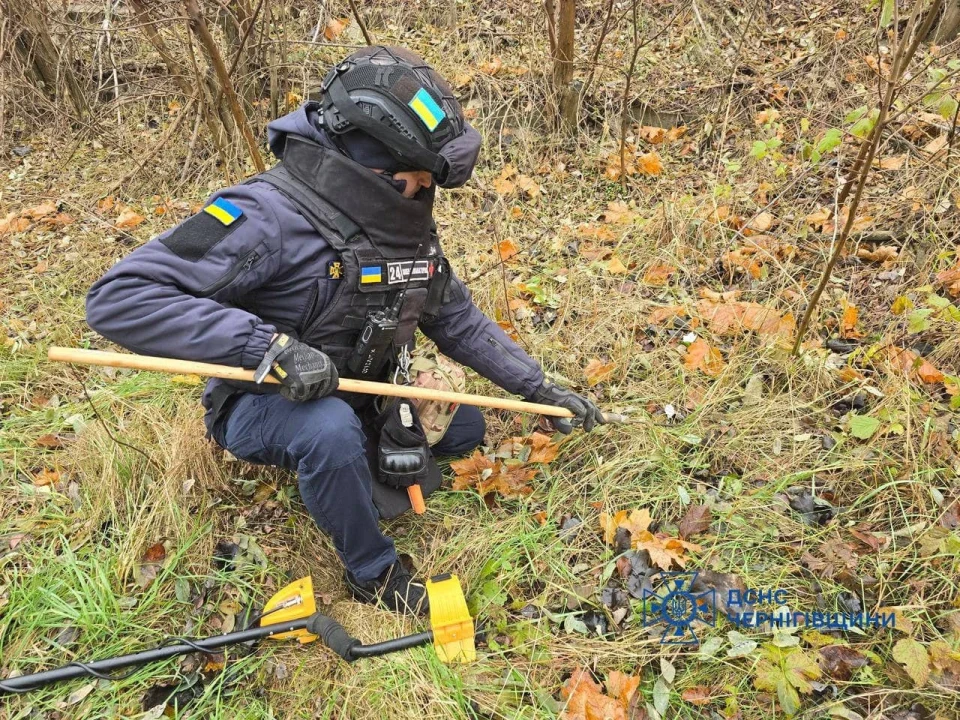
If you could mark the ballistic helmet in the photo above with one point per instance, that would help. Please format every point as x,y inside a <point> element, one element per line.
<point>391,94</point>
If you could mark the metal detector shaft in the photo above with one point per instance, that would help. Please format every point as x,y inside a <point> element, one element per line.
<point>332,633</point>
<point>109,665</point>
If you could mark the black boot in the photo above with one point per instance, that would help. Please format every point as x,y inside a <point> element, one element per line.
<point>395,588</point>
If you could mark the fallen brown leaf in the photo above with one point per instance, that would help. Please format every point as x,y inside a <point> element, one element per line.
<point>662,314</point>
<point>128,219</point>
<point>658,274</point>
<point>910,364</point>
<point>883,253</point>
<point>697,695</point>
<point>650,164</point>
<point>507,249</point>
<point>616,267</point>
<point>701,356</point>
<point>696,520</point>
<point>950,279</point>
<point>46,477</point>
<point>335,27</point>
<point>597,371</point>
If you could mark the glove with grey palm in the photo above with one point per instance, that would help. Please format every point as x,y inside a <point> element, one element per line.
<point>304,372</point>
<point>585,413</point>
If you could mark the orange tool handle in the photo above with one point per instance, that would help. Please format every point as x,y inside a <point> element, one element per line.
<point>416,499</point>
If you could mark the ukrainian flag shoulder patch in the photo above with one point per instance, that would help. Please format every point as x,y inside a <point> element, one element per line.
<point>224,211</point>
<point>370,274</point>
<point>427,109</point>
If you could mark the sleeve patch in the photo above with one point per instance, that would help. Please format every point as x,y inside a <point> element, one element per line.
<point>196,236</point>
<point>224,211</point>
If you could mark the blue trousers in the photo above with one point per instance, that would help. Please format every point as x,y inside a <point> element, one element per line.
<point>323,441</point>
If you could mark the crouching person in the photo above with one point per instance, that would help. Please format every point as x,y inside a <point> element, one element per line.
<point>320,268</point>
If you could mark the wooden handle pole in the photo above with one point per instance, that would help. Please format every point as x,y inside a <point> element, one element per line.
<point>189,367</point>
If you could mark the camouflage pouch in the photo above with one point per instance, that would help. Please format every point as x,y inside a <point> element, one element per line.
<point>434,371</point>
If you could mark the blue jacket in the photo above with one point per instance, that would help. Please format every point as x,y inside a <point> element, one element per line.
<point>224,305</point>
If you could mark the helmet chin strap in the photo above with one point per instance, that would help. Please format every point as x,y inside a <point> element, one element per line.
<point>408,149</point>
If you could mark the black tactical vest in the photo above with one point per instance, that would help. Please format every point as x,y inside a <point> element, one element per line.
<point>378,234</point>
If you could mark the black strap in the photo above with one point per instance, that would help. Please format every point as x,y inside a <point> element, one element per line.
<point>323,219</point>
<point>405,146</point>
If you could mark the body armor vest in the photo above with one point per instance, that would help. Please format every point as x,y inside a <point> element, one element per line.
<point>387,245</point>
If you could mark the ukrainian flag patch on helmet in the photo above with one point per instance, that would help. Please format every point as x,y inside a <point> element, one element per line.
<point>224,211</point>
<point>427,109</point>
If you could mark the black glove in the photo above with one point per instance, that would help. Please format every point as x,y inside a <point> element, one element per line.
<point>585,413</point>
<point>304,372</point>
<point>403,455</point>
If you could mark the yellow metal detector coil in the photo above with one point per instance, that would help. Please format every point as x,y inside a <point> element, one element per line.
<point>450,620</point>
<point>293,602</point>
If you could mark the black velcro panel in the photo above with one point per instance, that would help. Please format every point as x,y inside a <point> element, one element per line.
<point>405,87</point>
<point>196,236</point>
